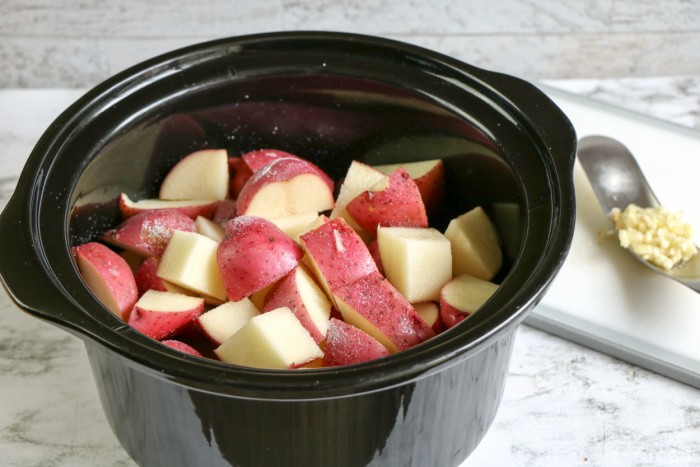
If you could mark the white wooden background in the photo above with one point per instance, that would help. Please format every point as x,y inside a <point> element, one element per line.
<point>77,43</point>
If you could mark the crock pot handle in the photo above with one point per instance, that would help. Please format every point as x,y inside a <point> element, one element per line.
<point>21,270</point>
<point>551,124</point>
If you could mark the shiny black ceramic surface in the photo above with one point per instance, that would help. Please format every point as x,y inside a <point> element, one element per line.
<point>331,98</point>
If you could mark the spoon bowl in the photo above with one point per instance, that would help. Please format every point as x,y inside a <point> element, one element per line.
<point>617,182</point>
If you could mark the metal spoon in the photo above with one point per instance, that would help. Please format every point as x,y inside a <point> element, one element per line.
<point>617,182</point>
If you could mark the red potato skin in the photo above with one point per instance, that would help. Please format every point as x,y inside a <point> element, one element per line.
<point>254,254</point>
<point>181,346</point>
<point>256,160</point>
<point>239,173</point>
<point>146,277</point>
<point>115,272</point>
<point>339,267</point>
<point>286,293</point>
<point>205,210</point>
<point>279,170</point>
<point>379,302</point>
<point>398,205</point>
<point>439,325</point>
<point>148,233</point>
<point>162,325</point>
<point>347,345</point>
<point>431,186</point>
<point>450,315</point>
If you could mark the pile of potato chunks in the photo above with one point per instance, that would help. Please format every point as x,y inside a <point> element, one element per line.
<point>258,255</point>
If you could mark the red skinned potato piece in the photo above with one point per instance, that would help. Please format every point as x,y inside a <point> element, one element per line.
<point>337,255</point>
<point>181,346</point>
<point>239,173</point>
<point>375,306</point>
<point>393,202</point>
<point>430,312</point>
<point>347,345</point>
<point>147,279</point>
<point>284,187</point>
<point>108,276</point>
<point>257,160</point>
<point>202,174</point>
<point>298,292</point>
<point>190,208</point>
<point>463,296</point>
<point>254,254</point>
<point>429,177</point>
<point>148,233</point>
<point>359,177</point>
<point>146,276</point>
<point>161,315</point>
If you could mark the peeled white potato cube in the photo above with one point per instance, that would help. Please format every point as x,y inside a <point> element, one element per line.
<point>189,261</point>
<point>417,261</point>
<point>275,340</point>
<point>475,247</point>
<point>222,322</point>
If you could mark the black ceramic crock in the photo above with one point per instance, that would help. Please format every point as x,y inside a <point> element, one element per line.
<point>329,97</point>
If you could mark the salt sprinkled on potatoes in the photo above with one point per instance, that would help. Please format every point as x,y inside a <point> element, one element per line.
<point>259,271</point>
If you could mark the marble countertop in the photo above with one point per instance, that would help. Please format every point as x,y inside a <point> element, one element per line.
<point>563,404</point>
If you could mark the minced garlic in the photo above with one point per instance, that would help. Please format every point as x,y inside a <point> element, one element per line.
<point>654,234</point>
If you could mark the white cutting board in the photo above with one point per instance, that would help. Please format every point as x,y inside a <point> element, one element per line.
<point>605,299</point>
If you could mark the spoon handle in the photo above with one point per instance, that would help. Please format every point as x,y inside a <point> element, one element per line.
<point>622,182</point>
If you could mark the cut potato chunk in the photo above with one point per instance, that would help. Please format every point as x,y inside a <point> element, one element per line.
<point>275,339</point>
<point>108,276</point>
<point>189,261</point>
<point>222,322</point>
<point>417,261</point>
<point>201,175</point>
<point>360,177</point>
<point>375,306</point>
<point>209,228</point>
<point>300,293</point>
<point>475,247</point>
<point>463,296</point>
<point>164,314</point>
